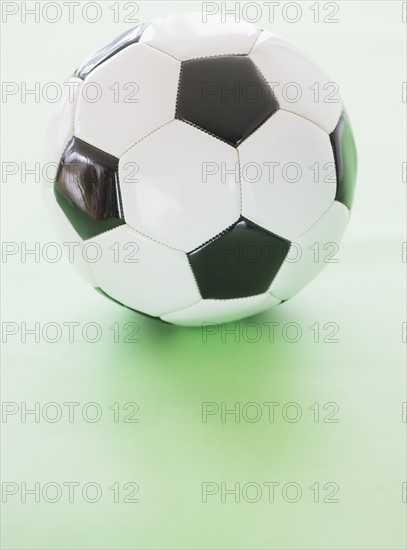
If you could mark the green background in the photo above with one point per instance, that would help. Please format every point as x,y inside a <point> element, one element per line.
<point>170,371</point>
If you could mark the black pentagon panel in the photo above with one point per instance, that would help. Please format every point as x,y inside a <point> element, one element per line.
<point>226,96</point>
<point>344,148</point>
<point>129,37</point>
<point>242,261</point>
<point>87,189</point>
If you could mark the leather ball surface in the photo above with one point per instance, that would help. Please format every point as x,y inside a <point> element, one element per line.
<point>199,167</point>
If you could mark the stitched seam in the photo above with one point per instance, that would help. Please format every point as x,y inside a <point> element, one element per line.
<point>255,42</point>
<point>215,55</point>
<point>178,89</point>
<point>215,237</point>
<point>240,181</point>
<point>240,298</point>
<point>144,137</point>
<point>278,271</point>
<point>75,107</point>
<point>316,222</point>
<point>98,234</point>
<point>295,240</point>
<point>195,280</point>
<point>154,240</point>
<point>119,194</point>
<point>261,226</point>
<point>299,237</point>
<point>273,295</point>
<point>230,299</point>
<point>305,118</point>
<point>203,56</point>
<point>162,51</point>
<point>137,232</point>
<point>82,240</point>
<point>182,309</point>
<point>206,132</point>
<point>113,157</point>
<point>261,124</point>
<point>218,300</point>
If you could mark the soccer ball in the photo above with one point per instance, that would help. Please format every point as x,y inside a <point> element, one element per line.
<point>199,167</point>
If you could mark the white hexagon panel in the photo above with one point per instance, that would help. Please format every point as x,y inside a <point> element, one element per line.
<point>288,175</point>
<point>174,186</point>
<point>217,311</point>
<point>123,99</point>
<point>188,36</point>
<point>311,252</point>
<point>130,263</point>
<point>299,83</point>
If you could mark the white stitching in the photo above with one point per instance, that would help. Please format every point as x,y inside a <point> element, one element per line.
<point>255,42</point>
<point>240,181</point>
<point>305,118</point>
<point>162,51</point>
<point>144,137</point>
<point>219,300</point>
